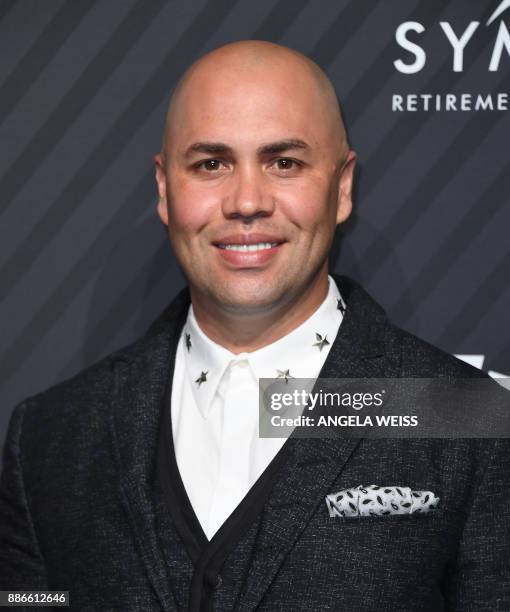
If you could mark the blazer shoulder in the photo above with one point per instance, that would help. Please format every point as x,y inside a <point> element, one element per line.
<point>89,389</point>
<point>421,358</point>
<point>72,407</point>
<point>409,355</point>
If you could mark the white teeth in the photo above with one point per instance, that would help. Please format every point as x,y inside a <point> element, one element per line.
<point>248,247</point>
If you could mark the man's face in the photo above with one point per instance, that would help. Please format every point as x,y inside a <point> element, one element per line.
<point>251,160</point>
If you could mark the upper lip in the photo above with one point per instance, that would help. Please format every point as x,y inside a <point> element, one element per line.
<point>248,239</point>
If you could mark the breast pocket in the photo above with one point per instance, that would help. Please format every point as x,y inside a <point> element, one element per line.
<point>400,545</point>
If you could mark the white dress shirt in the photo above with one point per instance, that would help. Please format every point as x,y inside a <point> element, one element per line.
<point>215,407</point>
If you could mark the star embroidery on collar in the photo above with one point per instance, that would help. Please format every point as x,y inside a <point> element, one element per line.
<point>321,341</point>
<point>202,378</point>
<point>188,342</point>
<point>340,304</point>
<point>285,374</point>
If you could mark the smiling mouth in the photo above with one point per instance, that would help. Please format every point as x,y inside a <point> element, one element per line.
<point>247,248</point>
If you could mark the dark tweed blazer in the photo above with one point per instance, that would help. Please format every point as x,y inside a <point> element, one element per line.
<point>80,510</point>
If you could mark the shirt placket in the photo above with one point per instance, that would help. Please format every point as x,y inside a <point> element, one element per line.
<point>239,420</point>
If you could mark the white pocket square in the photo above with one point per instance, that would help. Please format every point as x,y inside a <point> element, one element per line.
<point>379,501</point>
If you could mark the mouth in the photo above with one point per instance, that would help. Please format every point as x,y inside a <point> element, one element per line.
<point>248,251</point>
<point>248,248</point>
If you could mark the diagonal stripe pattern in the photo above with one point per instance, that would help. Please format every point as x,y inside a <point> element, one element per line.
<point>416,169</point>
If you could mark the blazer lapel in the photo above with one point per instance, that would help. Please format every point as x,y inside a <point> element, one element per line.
<point>134,425</point>
<point>313,464</point>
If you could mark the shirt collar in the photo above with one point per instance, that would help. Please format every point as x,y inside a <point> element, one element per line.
<point>299,354</point>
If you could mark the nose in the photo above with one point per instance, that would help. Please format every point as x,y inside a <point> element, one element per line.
<point>249,195</point>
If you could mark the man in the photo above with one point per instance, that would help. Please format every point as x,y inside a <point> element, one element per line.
<point>142,483</point>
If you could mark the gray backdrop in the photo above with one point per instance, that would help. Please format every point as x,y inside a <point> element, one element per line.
<point>85,264</point>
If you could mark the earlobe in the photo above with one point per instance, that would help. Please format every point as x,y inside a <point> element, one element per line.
<point>161,183</point>
<point>344,208</point>
<point>162,211</point>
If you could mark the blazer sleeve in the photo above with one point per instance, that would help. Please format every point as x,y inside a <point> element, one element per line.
<point>21,561</point>
<point>480,578</point>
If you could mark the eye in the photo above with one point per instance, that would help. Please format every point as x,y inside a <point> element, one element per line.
<point>209,165</point>
<point>284,163</point>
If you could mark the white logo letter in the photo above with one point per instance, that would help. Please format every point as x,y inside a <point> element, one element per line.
<point>499,11</point>
<point>458,44</point>
<point>419,53</point>
<point>503,40</point>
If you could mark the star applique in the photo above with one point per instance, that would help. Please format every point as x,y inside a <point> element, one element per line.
<point>285,374</point>
<point>321,341</point>
<point>340,304</point>
<point>202,378</point>
<point>188,342</point>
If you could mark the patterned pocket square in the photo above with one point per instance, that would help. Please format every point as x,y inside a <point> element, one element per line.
<point>378,501</point>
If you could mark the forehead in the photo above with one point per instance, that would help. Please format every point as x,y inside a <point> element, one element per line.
<point>262,104</point>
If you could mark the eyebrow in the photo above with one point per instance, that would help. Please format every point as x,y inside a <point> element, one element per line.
<point>283,145</point>
<point>215,148</point>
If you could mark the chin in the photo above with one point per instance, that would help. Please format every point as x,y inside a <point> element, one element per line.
<point>255,299</point>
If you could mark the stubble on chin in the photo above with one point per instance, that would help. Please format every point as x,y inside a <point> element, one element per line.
<point>246,296</point>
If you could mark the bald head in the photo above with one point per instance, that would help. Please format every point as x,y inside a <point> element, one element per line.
<point>254,69</point>
<point>254,150</point>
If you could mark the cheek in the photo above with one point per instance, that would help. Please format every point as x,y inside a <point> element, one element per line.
<point>308,207</point>
<point>190,208</point>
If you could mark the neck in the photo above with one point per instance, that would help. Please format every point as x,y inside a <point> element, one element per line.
<point>241,333</point>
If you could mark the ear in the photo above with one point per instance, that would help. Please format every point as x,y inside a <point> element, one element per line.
<point>161,182</point>
<point>344,206</point>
